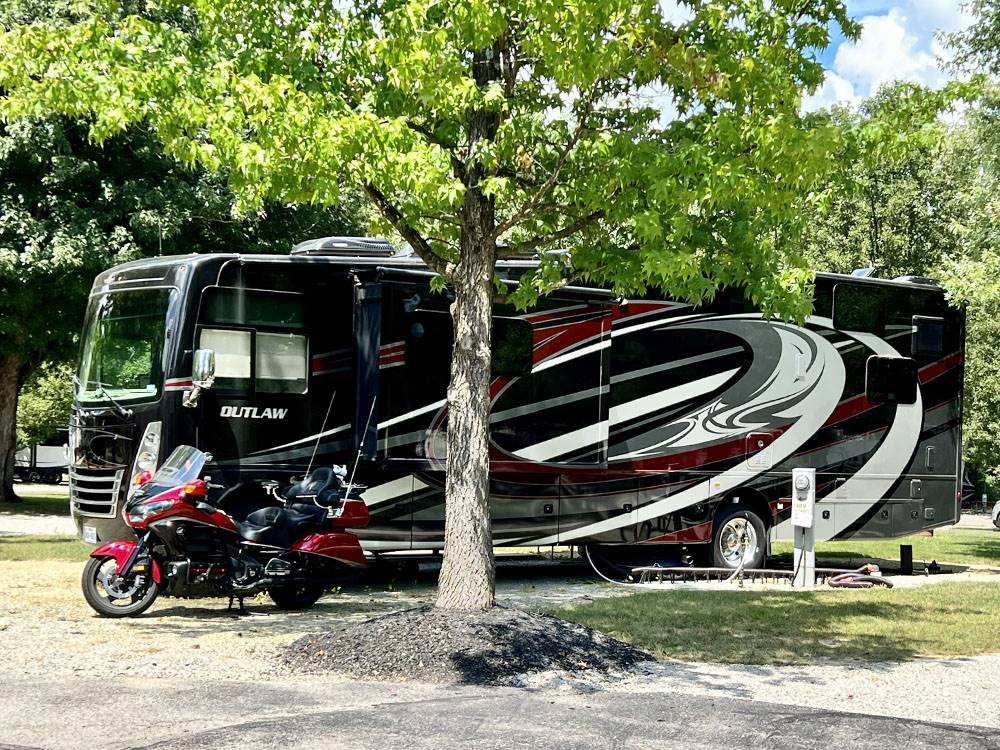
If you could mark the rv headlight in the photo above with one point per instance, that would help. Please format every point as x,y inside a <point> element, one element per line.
<point>146,455</point>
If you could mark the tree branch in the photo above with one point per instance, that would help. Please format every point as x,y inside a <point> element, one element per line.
<point>544,239</point>
<point>457,165</point>
<point>411,235</point>
<point>528,208</point>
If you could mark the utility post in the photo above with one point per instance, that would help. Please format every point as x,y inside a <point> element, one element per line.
<point>803,506</point>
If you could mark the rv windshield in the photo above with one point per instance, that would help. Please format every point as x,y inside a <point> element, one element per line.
<point>122,354</point>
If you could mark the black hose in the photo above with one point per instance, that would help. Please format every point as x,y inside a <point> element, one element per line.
<point>859,579</point>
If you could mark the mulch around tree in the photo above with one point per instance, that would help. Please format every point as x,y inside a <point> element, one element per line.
<point>426,644</point>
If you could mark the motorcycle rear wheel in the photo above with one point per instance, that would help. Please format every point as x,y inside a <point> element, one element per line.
<point>296,597</point>
<point>130,599</point>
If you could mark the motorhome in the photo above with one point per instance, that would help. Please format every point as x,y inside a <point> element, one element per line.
<point>616,424</point>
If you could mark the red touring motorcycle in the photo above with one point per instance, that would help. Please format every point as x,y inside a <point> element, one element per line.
<point>292,544</point>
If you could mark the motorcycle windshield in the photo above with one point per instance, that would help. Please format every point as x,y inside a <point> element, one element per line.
<point>183,465</point>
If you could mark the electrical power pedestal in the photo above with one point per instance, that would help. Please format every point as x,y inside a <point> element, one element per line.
<point>803,512</point>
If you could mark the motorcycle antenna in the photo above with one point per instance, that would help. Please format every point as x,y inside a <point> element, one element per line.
<point>322,429</point>
<point>357,458</point>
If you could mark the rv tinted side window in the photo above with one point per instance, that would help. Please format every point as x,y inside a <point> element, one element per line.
<point>928,335</point>
<point>232,357</point>
<point>281,360</point>
<point>251,307</point>
<point>891,380</point>
<point>858,307</point>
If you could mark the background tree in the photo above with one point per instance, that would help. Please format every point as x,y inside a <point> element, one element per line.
<point>480,129</point>
<point>44,405</point>
<point>897,203</point>
<point>69,208</point>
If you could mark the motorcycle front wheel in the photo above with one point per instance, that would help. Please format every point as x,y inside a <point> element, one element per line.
<point>110,596</point>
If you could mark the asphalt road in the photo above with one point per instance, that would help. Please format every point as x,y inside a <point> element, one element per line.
<point>179,715</point>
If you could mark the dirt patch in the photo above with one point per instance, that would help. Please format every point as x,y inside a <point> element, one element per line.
<point>499,647</point>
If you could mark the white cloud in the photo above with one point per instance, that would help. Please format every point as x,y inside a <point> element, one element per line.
<point>886,51</point>
<point>898,43</point>
<point>940,15</point>
<point>834,90</point>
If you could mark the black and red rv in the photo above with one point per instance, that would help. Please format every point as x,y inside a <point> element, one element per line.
<point>616,424</point>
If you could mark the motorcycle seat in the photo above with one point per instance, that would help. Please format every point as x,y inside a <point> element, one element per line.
<point>321,487</point>
<point>279,527</point>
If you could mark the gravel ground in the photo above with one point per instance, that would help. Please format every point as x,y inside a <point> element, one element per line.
<point>46,628</point>
<point>47,631</point>
<point>976,521</point>
<point>499,647</point>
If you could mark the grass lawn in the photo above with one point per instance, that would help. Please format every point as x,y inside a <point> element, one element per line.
<point>781,627</point>
<point>19,548</point>
<point>961,546</point>
<point>38,505</point>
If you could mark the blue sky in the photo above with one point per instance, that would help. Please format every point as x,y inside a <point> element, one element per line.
<point>897,42</point>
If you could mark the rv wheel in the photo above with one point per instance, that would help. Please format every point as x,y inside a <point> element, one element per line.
<point>738,535</point>
<point>34,477</point>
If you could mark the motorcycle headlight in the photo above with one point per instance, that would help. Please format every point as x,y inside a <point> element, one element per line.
<point>142,511</point>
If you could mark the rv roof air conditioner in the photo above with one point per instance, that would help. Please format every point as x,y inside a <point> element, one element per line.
<point>375,247</point>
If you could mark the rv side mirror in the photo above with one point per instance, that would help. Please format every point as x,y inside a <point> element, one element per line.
<point>202,376</point>
<point>203,368</point>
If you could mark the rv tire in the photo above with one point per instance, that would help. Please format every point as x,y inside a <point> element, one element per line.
<point>738,534</point>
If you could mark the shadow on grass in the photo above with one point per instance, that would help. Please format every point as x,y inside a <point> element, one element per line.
<point>194,618</point>
<point>37,505</point>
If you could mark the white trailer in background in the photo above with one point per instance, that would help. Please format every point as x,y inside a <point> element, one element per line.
<point>41,463</point>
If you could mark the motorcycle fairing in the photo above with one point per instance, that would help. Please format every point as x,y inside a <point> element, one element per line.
<point>338,545</point>
<point>121,551</point>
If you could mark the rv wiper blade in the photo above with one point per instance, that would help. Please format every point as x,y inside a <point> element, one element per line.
<point>122,411</point>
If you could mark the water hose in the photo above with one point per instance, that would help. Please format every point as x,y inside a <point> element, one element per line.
<point>865,577</point>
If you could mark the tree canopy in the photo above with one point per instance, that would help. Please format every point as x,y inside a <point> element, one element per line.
<point>298,100</point>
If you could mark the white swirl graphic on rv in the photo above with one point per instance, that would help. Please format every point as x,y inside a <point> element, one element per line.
<point>890,460</point>
<point>770,393</point>
<point>803,386</point>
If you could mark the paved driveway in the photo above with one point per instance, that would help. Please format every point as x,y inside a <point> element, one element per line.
<point>322,715</point>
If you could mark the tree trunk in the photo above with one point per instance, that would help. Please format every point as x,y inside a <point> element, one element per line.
<point>467,580</point>
<point>468,577</point>
<point>12,374</point>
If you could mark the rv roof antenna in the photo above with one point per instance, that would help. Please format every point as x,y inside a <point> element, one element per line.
<point>322,430</point>
<point>357,458</point>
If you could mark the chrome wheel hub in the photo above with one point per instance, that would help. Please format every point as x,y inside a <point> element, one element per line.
<point>738,538</point>
<point>114,585</point>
